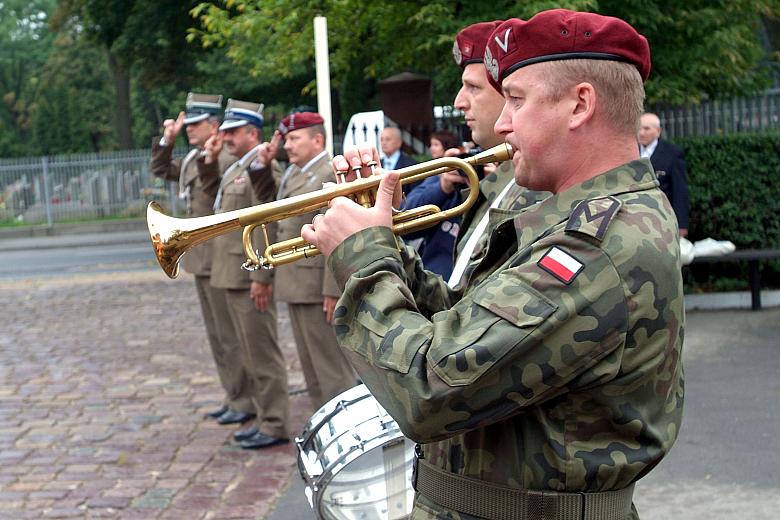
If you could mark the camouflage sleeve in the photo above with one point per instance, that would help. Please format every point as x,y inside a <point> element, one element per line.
<point>515,340</point>
<point>162,164</point>
<point>429,292</point>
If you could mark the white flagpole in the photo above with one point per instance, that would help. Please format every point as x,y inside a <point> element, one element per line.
<point>323,77</point>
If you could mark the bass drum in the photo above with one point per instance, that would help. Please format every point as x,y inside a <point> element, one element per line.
<point>354,460</point>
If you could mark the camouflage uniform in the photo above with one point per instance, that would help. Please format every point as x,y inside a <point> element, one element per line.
<point>490,187</point>
<point>523,380</point>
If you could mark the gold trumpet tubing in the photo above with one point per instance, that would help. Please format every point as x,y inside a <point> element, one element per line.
<point>318,199</point>
<point>172,237</point>
<point>294,249</point>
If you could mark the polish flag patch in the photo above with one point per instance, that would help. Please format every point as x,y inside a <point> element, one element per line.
<point>561,265</point>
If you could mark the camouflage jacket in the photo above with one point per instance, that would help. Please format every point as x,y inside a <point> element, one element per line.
<point>559,367</point>
<point>490,187</point>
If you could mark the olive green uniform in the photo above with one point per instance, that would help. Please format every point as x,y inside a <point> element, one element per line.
<point>303,285</point>
<point>198,192</point>
<point>570,382</point>
<point>257,332</point>
<point>515,199</point>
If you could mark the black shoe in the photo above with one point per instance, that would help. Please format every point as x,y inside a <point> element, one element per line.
<point>261,440</point>
<point>242,435</point>
<point>234,417</point>
<point>217,412</point>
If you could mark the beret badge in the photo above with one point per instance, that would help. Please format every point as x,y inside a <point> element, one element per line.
<point>491,64</point>
<point>456,53</point>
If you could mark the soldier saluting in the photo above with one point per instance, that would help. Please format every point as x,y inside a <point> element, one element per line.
<point>198,189</point>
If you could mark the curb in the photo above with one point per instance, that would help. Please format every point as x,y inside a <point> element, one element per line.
<point>108,226</point>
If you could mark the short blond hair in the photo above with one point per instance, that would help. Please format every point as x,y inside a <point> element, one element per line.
<point>620,84</point>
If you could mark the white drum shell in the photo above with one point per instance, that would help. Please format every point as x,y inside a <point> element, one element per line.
<point>354,460</point>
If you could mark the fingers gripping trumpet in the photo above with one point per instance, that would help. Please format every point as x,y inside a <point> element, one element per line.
<point>173,237</point>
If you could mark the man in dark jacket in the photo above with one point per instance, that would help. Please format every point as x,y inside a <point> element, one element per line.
<point>669,164</point>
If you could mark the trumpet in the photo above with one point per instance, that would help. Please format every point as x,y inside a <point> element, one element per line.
<point>173,237</point>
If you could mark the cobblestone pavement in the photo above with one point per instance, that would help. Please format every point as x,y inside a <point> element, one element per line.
<point>104,380</point>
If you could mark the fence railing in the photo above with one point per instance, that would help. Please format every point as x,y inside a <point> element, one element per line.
<point>739,115</point>
<point>44,190</point>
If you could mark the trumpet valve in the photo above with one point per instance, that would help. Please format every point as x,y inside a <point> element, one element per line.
<point>372,165</point>
<point>356,169</point>
<point>341,176</point>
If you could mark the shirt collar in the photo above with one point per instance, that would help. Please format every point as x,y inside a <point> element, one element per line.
<point>633,176</point>
<point>313,160</point>
<point>392,158</point>
<point>647,151</point>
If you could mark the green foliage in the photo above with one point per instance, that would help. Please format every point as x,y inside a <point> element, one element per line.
<point>734,183</point>
<point>72,111</point>
<point>25,43</point>
<point>702,49</point>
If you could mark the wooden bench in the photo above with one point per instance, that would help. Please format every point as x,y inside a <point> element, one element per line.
<point>752,257</point>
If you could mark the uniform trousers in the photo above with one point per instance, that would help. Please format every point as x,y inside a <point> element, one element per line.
<point>263,361</point>
<point>327,371</point>
<point>224,346</point>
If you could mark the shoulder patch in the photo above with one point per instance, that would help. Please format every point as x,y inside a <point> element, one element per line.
<point>592,216</point>
<point>560,264</point>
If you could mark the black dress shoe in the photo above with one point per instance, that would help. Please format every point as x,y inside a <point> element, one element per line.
<point>234,417</point>
<point>261,440</point>
<point>217,412</point>
<point>241,435</point>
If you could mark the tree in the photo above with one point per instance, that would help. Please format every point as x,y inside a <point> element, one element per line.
<point>145,42</point>
<point>701,48</point>
<point>25,42</point>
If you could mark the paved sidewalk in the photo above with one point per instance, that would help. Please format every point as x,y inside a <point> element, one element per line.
<point>104,380</point>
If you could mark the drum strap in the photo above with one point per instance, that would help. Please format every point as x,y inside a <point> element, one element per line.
<point>495,502</point>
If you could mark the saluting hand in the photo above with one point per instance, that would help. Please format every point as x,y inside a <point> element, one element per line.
<point>213,147</point>
<point>171,128</point>
<point>268,151</point>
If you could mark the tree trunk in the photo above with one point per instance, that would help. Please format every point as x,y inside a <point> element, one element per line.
<point>124,119</point>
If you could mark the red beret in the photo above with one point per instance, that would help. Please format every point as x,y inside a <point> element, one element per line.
<point>560,34</point>
<point>299,120</point>
<point>470,42</point>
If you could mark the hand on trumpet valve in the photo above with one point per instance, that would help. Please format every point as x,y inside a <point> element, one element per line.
<point>344,216</point>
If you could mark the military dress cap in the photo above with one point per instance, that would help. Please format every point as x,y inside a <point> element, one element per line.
<point>242,113</point>
<point>201,106</point>
<point>469,46</point>
<point>298,120</point>
<point>560,34</point>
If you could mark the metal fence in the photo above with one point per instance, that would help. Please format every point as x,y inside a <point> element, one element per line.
<point>44,190</point>
<point>740,115</point>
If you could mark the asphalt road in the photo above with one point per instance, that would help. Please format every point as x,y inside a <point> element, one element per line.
<point>75,254</point>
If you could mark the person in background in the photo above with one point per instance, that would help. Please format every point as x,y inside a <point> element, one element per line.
<point>436,244</point>
<point>441,142</point>
<point>249,295</point>
<point>392,156</point>
<point>669,164</point>
<point>307,286</point>
<point>200,121</point>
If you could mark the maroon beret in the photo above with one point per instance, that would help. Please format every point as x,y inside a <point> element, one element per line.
<point>560,34</point>
<point>470,43</point>
<point>299,120</point>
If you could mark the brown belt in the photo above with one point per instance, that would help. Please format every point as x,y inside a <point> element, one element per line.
<point>495,502</point>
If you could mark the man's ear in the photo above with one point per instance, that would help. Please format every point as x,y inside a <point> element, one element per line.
<point>584,102</point>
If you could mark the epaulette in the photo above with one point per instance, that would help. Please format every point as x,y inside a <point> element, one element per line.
<point>592,216</point>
